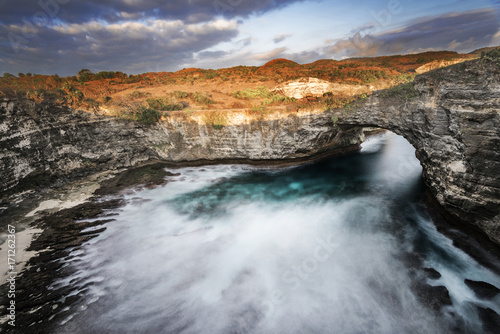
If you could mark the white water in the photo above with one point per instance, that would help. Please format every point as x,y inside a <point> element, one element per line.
<point>311,249</point>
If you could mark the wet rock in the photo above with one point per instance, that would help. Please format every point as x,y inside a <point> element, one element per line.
<point>38,300</point>
<point>56,143</point>
<point>449,115</point>
<point>490,320</point>
<point>149,176</point>
<point>414,261</point>
<point>432,273</point>
<point>482,289</point>
<point>434,297</point>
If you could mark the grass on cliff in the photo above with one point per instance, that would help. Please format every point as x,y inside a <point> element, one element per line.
<point>253,93</point>
<point>492,56</point>
<point>217,119</point>
<point>143,115</point>
<point>228,88</point>
<point>404,91</point>
<point>164,104</point>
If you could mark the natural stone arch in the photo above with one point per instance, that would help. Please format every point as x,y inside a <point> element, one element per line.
<point>452,118</point>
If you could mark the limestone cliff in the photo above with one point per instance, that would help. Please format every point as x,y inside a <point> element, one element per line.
<point>452,118</point>
<point>313,87</point>
<point>438,64</point>
<point>44,143</point>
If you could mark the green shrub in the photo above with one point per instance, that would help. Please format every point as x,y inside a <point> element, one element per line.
<point>136,94</point>
<point>216,119</point>
<point>279,99</point>
<point>146,116</point>
<point>202,98</point>
<point>210,74</point>
<point>85,75</point>
<point>405,91</point>
<point>492,56</point>
<point>259,92</point>
<point>259,109</point>
<point>164,105</point>
<point>180,95</point>
<point>78,95</point>
<point>405,78</point>
<point>367,76</point>
<point>349,65</point>
<point>335,119</point>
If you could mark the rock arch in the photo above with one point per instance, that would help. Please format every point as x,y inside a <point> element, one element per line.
<point>452,118</point>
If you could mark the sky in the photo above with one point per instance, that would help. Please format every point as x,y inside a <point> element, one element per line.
<point>64,36</point>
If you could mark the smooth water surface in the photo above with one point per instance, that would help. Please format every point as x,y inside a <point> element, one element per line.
<point>327,247</point>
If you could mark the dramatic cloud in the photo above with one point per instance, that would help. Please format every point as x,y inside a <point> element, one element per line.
<point>461,32</point>
<point>281,38</point>
<point>357,45</point>
<point>130,46</point>
<point>80,11</point>
<point>63,36</point>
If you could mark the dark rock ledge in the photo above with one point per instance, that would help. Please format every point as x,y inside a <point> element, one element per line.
<point>38,307</point>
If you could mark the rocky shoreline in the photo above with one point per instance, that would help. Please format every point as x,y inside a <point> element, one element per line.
<point>38,306</point>
<point>449,115</point>
<point>41,305</point>
<point>55,153</point>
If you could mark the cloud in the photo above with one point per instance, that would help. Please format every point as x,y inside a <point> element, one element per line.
<point>212,54</point>
<point>357,45</point>
<point>364,28</point>
<point>462,32</point>
<point>273,54</point>
<point>62,35</point>
<point>154,45</point>
<point>79,11</point>
<point>245,42</point>
<point>280,38</point>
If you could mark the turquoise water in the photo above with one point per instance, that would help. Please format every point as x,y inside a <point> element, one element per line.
<point>327,247</point>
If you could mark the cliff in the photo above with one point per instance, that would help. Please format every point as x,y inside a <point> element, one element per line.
<point>44,144</point>
<point>450,116</point>
<point>313,87</point>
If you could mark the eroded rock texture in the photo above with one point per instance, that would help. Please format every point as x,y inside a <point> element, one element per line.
<point>452,118</point>
<point>450,115</point>
<point>41,143</point>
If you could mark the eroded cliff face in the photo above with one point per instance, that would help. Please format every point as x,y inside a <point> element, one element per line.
<point>46,144</point>
<point>452,118</point>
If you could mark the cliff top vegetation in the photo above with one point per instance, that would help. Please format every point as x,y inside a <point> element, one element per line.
<point>240,87</point>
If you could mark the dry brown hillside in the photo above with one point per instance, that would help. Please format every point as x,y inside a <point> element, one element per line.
<point>240,87</point>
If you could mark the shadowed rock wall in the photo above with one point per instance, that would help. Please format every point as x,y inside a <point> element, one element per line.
<point>451,116</point>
